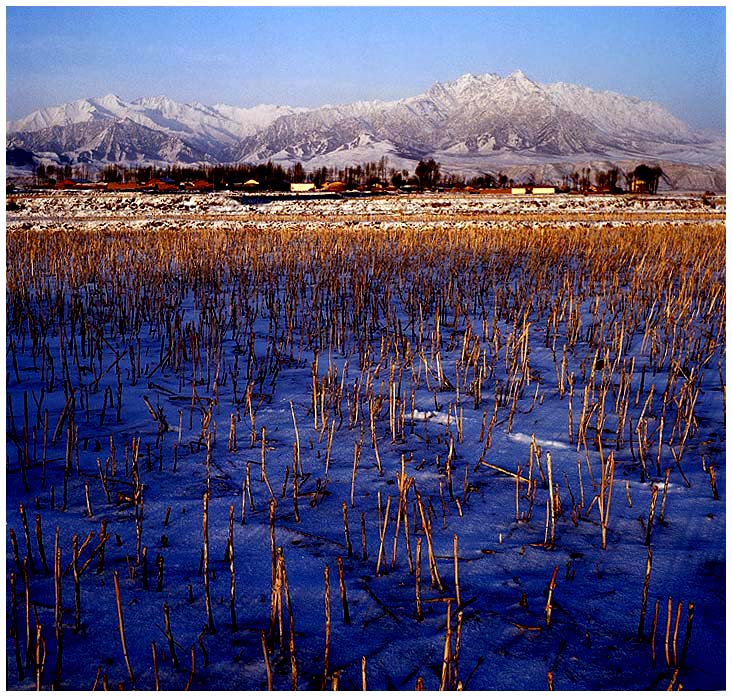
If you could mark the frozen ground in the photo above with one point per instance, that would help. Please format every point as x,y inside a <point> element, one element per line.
<point>183,305</point>
<point>89,205</point>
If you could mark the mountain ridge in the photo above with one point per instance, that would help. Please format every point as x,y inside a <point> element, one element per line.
<point>471,123</point>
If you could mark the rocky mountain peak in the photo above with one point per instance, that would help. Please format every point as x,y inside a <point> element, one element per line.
<point>474,122</point>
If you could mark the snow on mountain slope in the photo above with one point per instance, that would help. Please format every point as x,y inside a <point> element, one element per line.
<point>217,125</point>
<point>252,119</point>
<point>108,141</point>
<point>466,123</point>
<point>479,114</point>
<point>615,112</point>
<point>80,111</point>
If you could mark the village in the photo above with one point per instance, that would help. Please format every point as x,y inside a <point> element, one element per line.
<point>369,178</point>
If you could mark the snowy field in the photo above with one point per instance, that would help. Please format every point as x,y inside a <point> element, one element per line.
<point>444,441</point>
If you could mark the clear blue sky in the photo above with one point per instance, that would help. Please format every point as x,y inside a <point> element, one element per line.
<point>311,56</point>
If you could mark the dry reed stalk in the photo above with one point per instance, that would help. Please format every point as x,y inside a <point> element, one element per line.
<point>26,535</point>
<point>418,579</point>
<point>89,512</point>
<point>232,571</point>
<point>508,473</point>
<point>660,443</point>
<point>382,536</point>
<point>295,493</point>
<point>139,517</point>
<point>408,544</point>
<point>13,630</point>
<point>291,642</point>
<point>427,529</point>
<point>206,589</point>
<point>169,635</point>
<point>446,653</point>
<point>122,628</point>
<point>455,569</point>
<point>26,588</point>
<point>326,656</point>
<point>456,683</point>
<point>646,581</point>
<point>674,681</point>
<point>713,482</point>
<point>193,669</point>
<point>329,446</point>
<point>265,654</point>
<point>58,620</point>
<point>548,606</point>
<point>276,616</point>
<point>654,626</point>
<point>676,633</point>
<point>349,548</point>
<point>40,658</point>
<point>401,505</point>
<point>687,635</point>
<point>16,555</point>
<point>668,631</point>
<point>297,472</point>
<point>39,541</point>
<point>231,447</point>
<point>364,551</point>
<point>342,589</point>
<point>663,498</point>
<point>356,459</point>
<point>77,588</point>
<point>202,646</point>
<point>606,492</point>
<point>551,500</point>
<point>263,450</point>
<point>82,547</point>
<point>155,665</point>
<point>651,513</point>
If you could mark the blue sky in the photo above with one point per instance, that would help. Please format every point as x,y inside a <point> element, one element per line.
<point>311,56</point>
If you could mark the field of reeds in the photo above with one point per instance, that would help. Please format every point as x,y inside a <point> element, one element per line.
<point>313,450</point>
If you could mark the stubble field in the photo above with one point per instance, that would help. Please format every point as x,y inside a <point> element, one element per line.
<point>441,441</point>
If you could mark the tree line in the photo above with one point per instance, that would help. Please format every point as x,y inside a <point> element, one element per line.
<point>427,175</point>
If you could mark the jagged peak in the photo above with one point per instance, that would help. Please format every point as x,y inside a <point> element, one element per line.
<point>156,102</point>
<point>107,99</point>
<point>520,79</point>
<point>511,113</point>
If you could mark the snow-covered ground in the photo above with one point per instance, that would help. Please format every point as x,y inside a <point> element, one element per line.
<point>212,315</point>
<point>84,204</point>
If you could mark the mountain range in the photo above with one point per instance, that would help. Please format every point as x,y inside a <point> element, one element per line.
<point>477,123</point>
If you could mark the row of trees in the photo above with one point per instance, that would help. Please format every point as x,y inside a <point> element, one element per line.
<point>427,175</point>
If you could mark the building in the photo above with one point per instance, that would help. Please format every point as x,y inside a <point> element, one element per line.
<point>544,190</point>
<point>638,186</point>
<point>518,190</point>
<point>198,185</point>
<point>334,187</point>
<point>123,186</point>
<point>302,188</point>
<point>162,185</point>
<point>66,184</point>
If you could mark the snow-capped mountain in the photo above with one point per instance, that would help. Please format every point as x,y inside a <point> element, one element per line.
<point>108,140</point>
<point>205,130</point>
<point>479,115</point>
<point>473,123</point>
